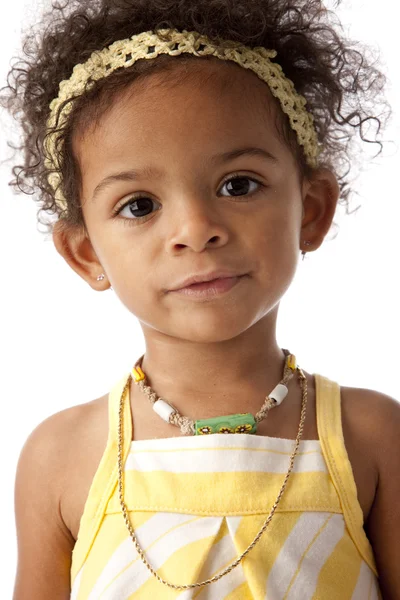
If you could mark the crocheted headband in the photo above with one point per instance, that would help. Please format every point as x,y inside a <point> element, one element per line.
<point>148,45</point>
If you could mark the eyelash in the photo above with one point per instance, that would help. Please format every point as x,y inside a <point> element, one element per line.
<point>132,199</point>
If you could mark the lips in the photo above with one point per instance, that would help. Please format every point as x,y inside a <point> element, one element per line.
<point>208,290</point>
<point>203,285</point>
<point>206,278</point>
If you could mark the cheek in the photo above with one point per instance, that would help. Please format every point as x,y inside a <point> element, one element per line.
<point>131,275</point>
<point>276,231</point>
<point>274,246</point>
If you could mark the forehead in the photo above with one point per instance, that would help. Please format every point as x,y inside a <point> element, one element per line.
<point>199,104</point>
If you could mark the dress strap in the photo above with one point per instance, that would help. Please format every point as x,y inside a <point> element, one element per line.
<point>113,416</point>
<point>330,432</point>
<point>105,479</point>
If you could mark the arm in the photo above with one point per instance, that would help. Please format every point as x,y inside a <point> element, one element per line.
<point>44,542</point>
<point>383,525</point>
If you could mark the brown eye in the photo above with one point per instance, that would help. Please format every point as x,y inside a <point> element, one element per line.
<point>241,185</point>
<point>138,208</point>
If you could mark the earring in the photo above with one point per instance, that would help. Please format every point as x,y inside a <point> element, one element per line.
<point>304,251</point>
<point>101,277</point>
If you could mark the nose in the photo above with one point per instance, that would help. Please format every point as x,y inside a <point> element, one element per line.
<point>197,224</point>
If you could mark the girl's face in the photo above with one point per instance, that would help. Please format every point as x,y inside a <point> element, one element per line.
<point>178,148</point>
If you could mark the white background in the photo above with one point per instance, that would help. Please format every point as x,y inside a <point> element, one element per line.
<point>64,344</point>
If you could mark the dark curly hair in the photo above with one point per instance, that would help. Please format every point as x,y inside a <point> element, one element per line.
<point>337,77</point>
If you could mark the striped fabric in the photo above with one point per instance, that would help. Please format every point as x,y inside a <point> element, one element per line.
<point>197,502</point>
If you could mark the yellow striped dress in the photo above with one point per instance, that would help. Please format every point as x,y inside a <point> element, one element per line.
<point>197,502</point>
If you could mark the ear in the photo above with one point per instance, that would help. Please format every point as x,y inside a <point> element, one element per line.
<point>320,199</point>
<point>74,245</point>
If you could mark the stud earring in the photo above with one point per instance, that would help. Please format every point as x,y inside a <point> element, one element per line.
<point>101,277</point>
<point>304,252</point>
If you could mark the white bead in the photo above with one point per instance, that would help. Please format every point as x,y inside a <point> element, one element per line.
<point>163,409</point>
<point>279,393</point>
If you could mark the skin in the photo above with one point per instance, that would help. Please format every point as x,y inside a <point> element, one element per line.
<point>196,224</point>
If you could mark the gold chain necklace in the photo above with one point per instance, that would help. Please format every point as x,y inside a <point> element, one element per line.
<point>303,385</point>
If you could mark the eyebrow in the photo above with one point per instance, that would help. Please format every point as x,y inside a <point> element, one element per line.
<point>153,173</point>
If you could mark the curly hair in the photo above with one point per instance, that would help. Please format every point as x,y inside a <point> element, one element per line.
<point>340,82</point>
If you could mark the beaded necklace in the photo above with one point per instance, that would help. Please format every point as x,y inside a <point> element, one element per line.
<point>239,423</point>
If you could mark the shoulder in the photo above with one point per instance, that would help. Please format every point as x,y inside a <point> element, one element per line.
<point>371,426</point>
<point>371,416</point>
<point>47,461</point>
<point>59,443</point>
<point>55,438</point>
<point>370,423</point>
<point>373,419</point>
<point>54,443</point>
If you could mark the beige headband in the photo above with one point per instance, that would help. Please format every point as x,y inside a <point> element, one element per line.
<point>148,45</point>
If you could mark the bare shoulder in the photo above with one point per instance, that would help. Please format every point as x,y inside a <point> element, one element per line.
<point>46,470</point>
<point>371,417</point>
<point>371,424</point>
<point>58,440</point>
<point>85,432</point>
<point>77,428</point>
<point>371,430</point>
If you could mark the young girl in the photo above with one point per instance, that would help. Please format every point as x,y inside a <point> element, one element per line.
<point>190,152</point>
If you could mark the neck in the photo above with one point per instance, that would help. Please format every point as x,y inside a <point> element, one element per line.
<point>206,380</point>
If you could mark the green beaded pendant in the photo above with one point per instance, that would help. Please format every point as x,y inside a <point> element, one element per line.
<point>240,423</point>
